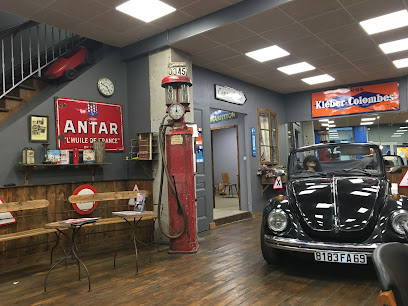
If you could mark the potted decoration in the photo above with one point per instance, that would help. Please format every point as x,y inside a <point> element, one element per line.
<point>267,174</point>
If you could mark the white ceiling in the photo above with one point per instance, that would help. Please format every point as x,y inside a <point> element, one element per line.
<point>324,33</point>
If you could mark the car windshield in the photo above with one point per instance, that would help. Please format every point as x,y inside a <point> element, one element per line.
<point>336,159</point>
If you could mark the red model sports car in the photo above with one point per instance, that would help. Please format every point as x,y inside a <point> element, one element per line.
<point>66,64</point>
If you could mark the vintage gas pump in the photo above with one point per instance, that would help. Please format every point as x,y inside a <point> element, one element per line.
<point>178,165</point>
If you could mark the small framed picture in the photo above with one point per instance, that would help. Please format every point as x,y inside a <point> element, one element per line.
<point>38,128</point>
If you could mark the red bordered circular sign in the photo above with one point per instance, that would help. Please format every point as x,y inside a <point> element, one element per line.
<point>7,217</point>
<point>86,207</point>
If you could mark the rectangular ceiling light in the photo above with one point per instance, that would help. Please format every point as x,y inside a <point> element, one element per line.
<point>318,79</point>
<point>323,120</point>
<point>401,63</point>
<point>403,127</point>
<point>267,54</point>
<point>366,123</point>
<point>145,10</point>
<point>395,135</point>
<point>368,119</point>
<point>394,46</point>
<point>332,125</point>
<point>296,68</point>
<point>385,22</point>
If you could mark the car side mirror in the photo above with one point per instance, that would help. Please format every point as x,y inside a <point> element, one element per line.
<point>396,169</point>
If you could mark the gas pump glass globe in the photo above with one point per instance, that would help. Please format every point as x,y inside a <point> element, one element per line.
<point>170,95</point>
<point>176,111</point>
<point>183,93</point>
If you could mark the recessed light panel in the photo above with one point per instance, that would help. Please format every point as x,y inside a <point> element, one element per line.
<point>386,22</point>
<point>146,10</point>
<point>368,119</point>
<point>394,46</point>
<point>401,63</point>
<point>267,54</point>
<point>296,68</point>
<point>366,123</point>
<point>318,79</point>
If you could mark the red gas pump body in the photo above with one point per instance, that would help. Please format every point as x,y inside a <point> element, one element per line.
<point>180,164</point>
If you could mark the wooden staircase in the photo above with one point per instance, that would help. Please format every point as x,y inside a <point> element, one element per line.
<point>20,95</point>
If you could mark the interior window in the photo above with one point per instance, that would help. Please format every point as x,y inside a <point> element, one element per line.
<point>268,137</point>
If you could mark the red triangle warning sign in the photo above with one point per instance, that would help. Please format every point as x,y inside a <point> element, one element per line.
<point>404,180</point>
<point>7,217</point>
<point>278,183</point>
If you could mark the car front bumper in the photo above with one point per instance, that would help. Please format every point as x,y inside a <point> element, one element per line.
<point>296,245</point>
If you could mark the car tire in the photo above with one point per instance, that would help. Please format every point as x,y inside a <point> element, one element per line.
<point>70,74</point>
<point>90,59</point>
<point>271,255</point>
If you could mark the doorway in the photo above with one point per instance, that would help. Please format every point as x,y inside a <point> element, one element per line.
<point>225,171</point>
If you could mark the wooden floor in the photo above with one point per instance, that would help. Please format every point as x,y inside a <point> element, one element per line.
<point>227,270</point>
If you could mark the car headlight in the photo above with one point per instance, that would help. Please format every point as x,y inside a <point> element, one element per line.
<point>277,220</point>
<point>398,219</point>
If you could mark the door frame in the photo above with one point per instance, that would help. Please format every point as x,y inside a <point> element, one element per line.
<point>212,161</point>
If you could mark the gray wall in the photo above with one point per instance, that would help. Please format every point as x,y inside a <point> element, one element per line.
<point>204,81</point>
<point>14,131</point>
<point>225,154</point>
<point>302,101</point>
<point>138,96</point>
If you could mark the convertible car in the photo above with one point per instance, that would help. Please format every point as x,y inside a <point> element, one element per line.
<point>338,206</point>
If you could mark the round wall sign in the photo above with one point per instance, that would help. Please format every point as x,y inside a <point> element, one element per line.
<point>86,207</point>
<point>7,217</point>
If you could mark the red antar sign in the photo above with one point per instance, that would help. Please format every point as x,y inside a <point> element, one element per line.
<point>80,123</point>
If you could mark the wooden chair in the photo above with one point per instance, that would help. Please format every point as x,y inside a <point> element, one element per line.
<point>226,182</point>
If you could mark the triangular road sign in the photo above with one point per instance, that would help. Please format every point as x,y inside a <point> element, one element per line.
<point>404,180</point>
<point>132,201</point>
<point>7,217</point>
<point>278,183</point>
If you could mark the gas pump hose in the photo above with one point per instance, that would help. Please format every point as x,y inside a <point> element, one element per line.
<point>164,168</point>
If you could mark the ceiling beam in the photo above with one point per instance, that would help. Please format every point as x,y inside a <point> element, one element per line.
<point>200,25</point>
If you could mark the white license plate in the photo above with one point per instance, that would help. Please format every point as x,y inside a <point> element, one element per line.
<point>341,257</point>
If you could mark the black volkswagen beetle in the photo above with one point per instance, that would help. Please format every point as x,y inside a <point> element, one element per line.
<point>338,205</point>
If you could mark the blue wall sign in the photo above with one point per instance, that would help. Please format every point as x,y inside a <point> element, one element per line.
<point>220,115</point>
<point>253,140</point>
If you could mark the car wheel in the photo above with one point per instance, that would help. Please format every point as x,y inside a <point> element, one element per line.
<point>90,59</point>
<point>271,255</point>
<point>70,74</point>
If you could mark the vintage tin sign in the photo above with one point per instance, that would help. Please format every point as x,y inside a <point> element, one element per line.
<point>80,122</point>
<point>354,100</point>
<point>219,116</point>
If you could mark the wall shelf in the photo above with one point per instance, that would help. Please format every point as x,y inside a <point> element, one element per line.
<point>29,167</point>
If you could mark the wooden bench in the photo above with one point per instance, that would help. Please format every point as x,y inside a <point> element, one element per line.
<point>110,196</point>
<point>19,206</point>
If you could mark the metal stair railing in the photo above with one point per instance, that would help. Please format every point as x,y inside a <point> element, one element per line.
<point>27,51</point>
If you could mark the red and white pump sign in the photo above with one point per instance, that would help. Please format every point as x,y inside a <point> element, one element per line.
<point>81,122</point>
